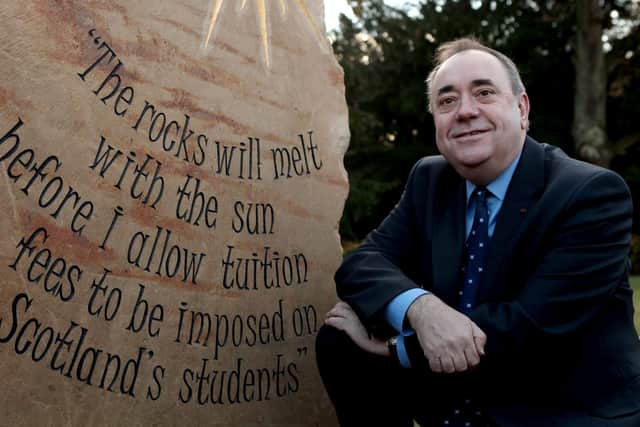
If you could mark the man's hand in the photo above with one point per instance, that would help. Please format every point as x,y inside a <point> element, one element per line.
<point>451,341</point>
<point>342,317</point>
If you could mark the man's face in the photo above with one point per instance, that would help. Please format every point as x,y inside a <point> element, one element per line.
<point>480,123</point>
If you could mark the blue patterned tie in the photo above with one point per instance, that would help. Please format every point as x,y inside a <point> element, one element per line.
<point>476,250</point>
<point>465,413</point>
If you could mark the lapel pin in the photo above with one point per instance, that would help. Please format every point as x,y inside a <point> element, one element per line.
<point>523,210</point>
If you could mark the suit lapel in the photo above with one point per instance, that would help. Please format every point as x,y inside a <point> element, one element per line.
<point>448,237</point>
<point>524,189</point>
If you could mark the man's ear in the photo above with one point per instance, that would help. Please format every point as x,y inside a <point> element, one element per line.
<point>523,106</point>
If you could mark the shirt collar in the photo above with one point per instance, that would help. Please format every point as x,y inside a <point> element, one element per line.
<point>497,187</point>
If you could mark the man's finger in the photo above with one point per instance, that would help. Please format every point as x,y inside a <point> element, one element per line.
<point>480,343</point>
<point>435,365</point>
<point>332,313</point>
<point>336,322</point>
<point>460,363</point>
<point>473,359</point>
<point>477,332</point>
<point>339,311</point>
<point>447,364</point>
<point>479,338</point>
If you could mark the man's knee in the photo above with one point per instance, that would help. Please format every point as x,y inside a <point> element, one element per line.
<point>331,345</point>
<point>330,339</point>
<point>356,381</point>
<point>335,345</point>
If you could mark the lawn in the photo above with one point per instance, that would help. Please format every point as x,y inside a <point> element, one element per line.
<point>635,284</point>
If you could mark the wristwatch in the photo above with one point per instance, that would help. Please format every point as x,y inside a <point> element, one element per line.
<point>392,345</point>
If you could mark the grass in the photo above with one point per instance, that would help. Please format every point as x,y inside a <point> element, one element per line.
<point>635,284</point>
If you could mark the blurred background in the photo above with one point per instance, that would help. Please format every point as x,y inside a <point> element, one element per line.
<point>579,60</point>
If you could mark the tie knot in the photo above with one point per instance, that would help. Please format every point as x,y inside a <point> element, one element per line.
<point>480,195</point>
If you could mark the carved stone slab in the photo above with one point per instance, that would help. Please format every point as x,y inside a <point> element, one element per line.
<point>171,183</point>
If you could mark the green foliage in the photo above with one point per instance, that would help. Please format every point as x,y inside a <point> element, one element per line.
<point>635,285</point>
<point>387,53</point>
<point>377,176</point>
<point>635,254</point>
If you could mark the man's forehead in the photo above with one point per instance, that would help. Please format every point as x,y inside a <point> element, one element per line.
<point>469,67</point>
<point>472,83</point>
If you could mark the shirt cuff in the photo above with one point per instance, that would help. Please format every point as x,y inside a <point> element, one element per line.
<point>401,350</point>
<point>396,310</point>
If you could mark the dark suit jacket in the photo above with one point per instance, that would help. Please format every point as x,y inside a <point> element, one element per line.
<point>554,301</point>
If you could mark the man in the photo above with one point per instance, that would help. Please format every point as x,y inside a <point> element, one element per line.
<point>500,276</point>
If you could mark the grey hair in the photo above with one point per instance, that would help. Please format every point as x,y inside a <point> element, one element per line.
<point>448,49</point>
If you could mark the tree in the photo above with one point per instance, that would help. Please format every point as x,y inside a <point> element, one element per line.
<point>589,121</point>
<point>386,54</point>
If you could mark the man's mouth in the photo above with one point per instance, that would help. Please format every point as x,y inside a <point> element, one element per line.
<point>469,133</point>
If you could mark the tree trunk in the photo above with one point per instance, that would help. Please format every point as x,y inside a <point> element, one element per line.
<point>589,122</point>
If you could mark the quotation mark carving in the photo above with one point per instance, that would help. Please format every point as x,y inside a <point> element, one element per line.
<point>96,39</point>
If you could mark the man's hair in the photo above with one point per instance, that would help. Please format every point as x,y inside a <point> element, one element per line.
<point>448,49</point>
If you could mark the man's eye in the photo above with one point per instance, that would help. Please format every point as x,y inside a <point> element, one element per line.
<point>447,101</point>
<point>485,92</point>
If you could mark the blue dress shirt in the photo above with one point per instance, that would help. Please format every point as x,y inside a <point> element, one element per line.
<point>396,310</point>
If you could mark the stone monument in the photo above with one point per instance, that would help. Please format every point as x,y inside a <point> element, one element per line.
<point>171,186</point>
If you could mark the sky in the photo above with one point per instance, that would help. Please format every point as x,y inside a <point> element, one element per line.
<point>333,9</point>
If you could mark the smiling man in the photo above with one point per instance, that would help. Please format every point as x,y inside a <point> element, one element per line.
<point>499,279</point>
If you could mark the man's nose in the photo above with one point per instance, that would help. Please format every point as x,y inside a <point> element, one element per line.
<point>467,109</point>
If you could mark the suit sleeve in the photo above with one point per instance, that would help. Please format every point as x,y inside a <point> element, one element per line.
<point>372,275</point>
<point>582,265</point>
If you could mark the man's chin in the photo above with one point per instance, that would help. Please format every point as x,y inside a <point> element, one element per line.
<point>474,170</point>
<point>473,162</point>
